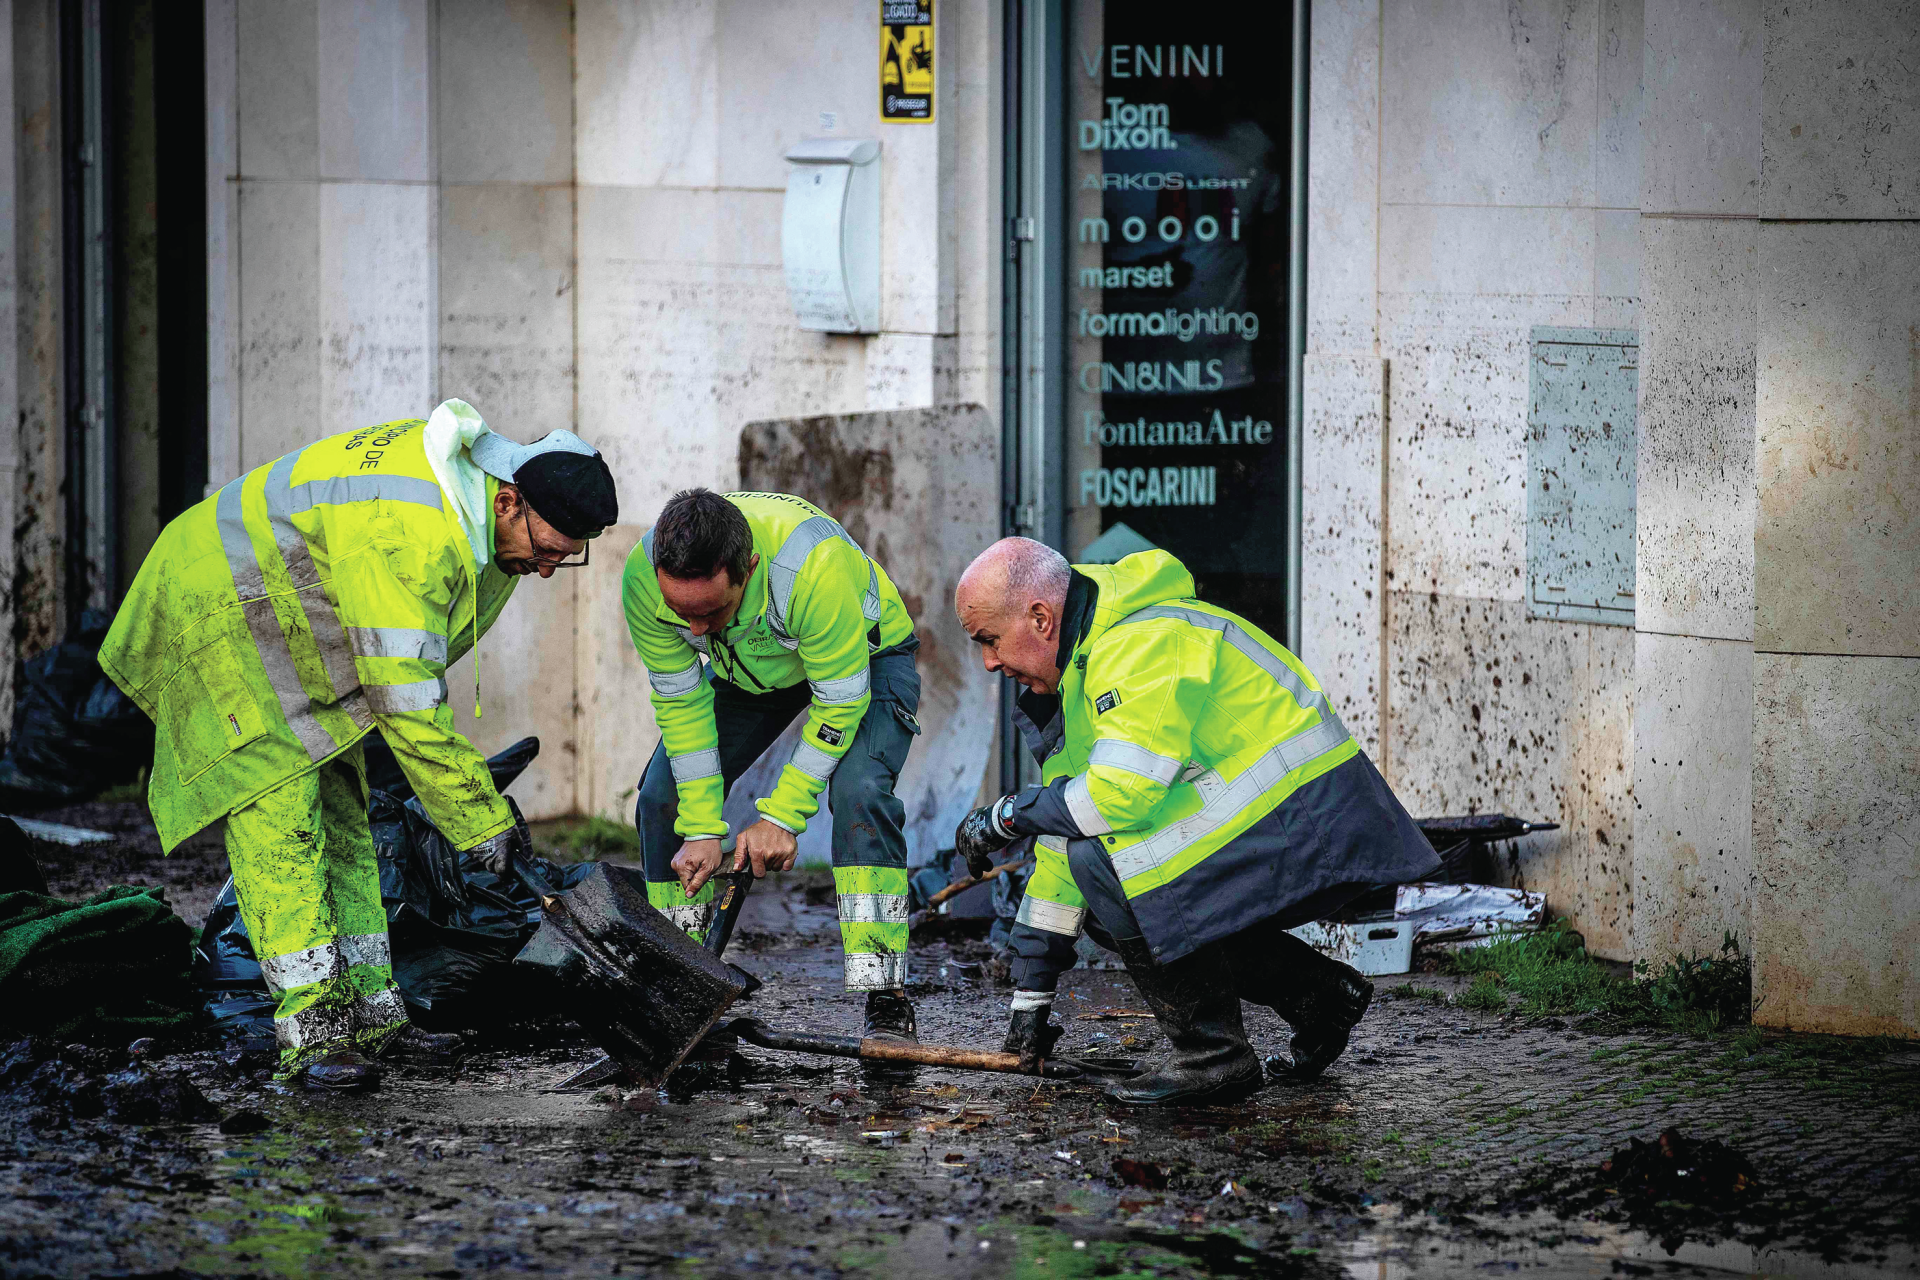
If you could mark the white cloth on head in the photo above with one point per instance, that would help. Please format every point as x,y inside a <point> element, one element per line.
<point>452,430</point>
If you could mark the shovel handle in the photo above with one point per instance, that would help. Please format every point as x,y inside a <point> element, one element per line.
<point>521,867</point>
<point>727,913</point>
<point>756,1032</point>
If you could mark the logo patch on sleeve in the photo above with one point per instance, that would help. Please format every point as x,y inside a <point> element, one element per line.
<point>1107,701</point>
<point>831,736</point>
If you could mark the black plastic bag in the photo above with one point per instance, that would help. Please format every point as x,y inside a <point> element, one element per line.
<point>453,926</point>
<point>74,733</point>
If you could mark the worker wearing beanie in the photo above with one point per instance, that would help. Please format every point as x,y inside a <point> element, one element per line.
<point>279,621</point>
<point>791,617</point>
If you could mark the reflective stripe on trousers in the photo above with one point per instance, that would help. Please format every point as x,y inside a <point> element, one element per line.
<point>309,888</point>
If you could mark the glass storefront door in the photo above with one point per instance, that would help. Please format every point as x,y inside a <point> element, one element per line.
<point>1153,311</point>
<point>1169,166</point>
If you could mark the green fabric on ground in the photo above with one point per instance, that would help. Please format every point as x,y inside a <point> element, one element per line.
<point>112,968</point>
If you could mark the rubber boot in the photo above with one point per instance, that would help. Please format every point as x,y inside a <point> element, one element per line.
<point>890,1017</point>
<point>1321,998</point>
<point>1198,1009</point>
<point>343,1071</point>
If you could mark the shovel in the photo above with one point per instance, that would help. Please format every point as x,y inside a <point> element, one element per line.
<point>1092,1070</point>
<point>636,984</point>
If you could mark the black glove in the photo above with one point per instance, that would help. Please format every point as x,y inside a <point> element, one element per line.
<point>983,833</point>
<point>499,853</point>
<point>1032,1037</point>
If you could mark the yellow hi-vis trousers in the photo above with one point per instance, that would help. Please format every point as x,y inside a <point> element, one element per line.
<point>309,889</point>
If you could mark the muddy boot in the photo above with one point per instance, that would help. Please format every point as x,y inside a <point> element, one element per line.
<point>343,1071</point>
<point>890,1017</point>
<point>1322,999</point>
<point>416,1048</point>
<point>1194,1001</point>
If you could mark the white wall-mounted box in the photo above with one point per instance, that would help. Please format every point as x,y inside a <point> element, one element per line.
<point>830,234</point>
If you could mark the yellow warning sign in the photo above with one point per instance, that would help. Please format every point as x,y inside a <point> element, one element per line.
<point>906,61</point>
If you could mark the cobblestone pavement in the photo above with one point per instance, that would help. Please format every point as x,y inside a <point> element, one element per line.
<point>1447,1142</point>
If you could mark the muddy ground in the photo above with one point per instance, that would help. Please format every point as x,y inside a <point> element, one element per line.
<point>1446,1142</point>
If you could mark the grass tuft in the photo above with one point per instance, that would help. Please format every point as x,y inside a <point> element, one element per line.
<point>591,838</point>
<point>1549,973</point>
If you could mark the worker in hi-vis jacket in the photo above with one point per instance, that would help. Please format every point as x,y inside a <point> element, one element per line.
<point>750,610</point>
<point>1199,797</point>
<point>305,604</point>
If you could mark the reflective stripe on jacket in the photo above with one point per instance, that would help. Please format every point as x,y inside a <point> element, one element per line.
<point>1207,762</point>
<point>816,609</point>
<point>278,621</point>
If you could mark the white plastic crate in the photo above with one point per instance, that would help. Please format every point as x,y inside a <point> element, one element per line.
<point>1374,947</point>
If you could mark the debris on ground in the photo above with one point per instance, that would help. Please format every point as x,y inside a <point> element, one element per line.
<point>79,1082</point>
<point>1460,912</point>
<point>111,968</point>
<point>1680,1169</point>
<point>75,734</point>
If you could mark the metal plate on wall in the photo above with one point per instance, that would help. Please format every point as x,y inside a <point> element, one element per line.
<point>1582,436</point>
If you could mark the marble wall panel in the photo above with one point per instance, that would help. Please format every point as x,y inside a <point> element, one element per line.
<point>805,62</point>
<point>506,304</point>
<point>526,666</point>
<point>1457,466</point>
<point>1702,143</point>
<point>1840,110</point>
<point>1485,102</point>
<point>1696,501</point>
<point>686,333</point>
<point>1343,176</point>
<point>647,93</point>
<point>617,734</point>
<point>378,304</point>
<point>277,95</point>
<point>1342,602</point>
<point>278,318</point>
<point>1616,269</point>
<point>1490,712</point>
<point>504,82</point>
<point>1622,86</point>
<point>1461,289</point>
<point>1693,878</point>
<point>375,90</point>
<point>1838,531</point>
<point>1836,844</point>
<point>909,370</point>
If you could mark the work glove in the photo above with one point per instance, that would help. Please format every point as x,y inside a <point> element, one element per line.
<point>983,833</point>
<point>499,853</point>
<point>1030,1034</point>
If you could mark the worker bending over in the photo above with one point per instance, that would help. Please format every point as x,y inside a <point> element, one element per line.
<point>1199,796</point>
<point>306,603</point>
<point>789,615</point>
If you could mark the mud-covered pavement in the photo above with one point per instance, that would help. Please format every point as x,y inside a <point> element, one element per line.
<point>1446,1142</point>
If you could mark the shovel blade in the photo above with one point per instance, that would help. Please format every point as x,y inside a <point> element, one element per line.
<point>633,981</point>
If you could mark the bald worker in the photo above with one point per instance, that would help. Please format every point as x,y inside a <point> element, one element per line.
<point>1199,797</point>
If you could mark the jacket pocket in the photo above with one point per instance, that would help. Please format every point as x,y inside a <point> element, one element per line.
<point>206,709</point>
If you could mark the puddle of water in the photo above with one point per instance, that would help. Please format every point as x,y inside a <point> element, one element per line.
<point>1542,1245</point>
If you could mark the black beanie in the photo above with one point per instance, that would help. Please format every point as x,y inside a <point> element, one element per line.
<point>570,491</point>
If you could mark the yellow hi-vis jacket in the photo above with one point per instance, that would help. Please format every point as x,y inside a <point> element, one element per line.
<point>815,610</point>
<point>274,624</point>
<point>1206,761</point>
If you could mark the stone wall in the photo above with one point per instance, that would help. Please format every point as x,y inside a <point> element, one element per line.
<point>570,217</point>
<point>1474,171</point>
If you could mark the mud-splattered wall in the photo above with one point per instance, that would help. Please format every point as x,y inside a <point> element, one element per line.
<point>32,440</point>
<point>1474,172</point>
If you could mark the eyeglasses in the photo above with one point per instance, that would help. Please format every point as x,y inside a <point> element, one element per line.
<point>548,562</point>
